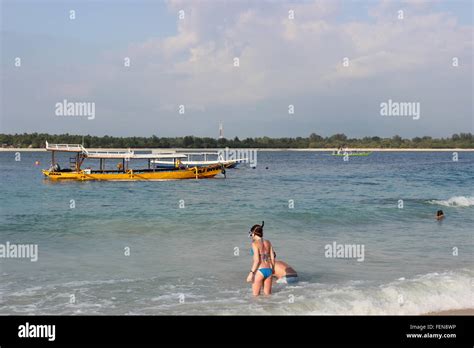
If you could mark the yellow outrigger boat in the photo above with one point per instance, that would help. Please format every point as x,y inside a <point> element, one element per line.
<point>122,171</point>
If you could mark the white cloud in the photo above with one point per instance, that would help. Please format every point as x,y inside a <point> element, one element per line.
<point>279,56</point>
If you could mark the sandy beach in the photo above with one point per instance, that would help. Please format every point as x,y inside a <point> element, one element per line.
<point>467,311</point>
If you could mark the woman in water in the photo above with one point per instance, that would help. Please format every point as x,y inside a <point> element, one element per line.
<point>439,215</point>
<point>263,262</point>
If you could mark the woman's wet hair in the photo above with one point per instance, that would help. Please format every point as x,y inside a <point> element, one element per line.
<point>439,213</point>
<point>257,230</point>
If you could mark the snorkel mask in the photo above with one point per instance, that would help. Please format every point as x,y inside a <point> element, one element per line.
<point>251,233</point>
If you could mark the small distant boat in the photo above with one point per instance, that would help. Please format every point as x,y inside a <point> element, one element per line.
<point>198,159</point>
<point>351,153</point>
<point>123,170</point>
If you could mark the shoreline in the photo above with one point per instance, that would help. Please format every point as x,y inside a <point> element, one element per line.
<point>19,149</point>
<point>464,311</point>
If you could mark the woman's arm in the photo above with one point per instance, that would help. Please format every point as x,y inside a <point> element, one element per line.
<point>272,257</point>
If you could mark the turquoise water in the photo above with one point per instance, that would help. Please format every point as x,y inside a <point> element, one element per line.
<point>194,260</point>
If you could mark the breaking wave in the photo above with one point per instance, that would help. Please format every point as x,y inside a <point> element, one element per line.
<point>457,201</point>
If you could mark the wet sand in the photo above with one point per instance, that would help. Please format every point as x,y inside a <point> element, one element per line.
<point>468,311</point>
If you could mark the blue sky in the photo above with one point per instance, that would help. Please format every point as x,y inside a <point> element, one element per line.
<point>282,62</point>
<point>116,22</point>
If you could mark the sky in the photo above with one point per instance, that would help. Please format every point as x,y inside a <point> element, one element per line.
<point>333,63</point>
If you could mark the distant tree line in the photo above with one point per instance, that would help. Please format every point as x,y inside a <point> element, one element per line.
<point>37,140</point>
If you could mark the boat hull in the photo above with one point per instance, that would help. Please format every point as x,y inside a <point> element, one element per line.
<point>188,173</point>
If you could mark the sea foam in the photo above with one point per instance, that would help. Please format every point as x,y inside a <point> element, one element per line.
<point>421,294</point>
<point>457,201</point>
<point>427,293</point>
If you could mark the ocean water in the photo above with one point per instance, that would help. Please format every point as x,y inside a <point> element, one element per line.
<point>194,260</point>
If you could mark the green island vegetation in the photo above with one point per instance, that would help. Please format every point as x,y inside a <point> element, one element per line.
<point>37,140</point>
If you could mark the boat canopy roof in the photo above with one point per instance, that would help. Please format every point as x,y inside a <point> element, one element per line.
<point>78,148</point>
<point>65,147</point>
<point>201,153</point>
<point>130,155</point>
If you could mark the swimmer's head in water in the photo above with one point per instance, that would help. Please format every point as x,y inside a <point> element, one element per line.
<point>257,230</point>
<point>439,213</point>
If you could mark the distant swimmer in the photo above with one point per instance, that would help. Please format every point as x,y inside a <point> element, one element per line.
<point>439,215</point>
<point>285,273</point>
<point>263,262</point>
